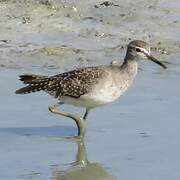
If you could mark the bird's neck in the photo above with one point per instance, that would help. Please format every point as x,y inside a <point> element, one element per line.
<point>124,74</point>
<point>129,56</point>
<point>130,65</point>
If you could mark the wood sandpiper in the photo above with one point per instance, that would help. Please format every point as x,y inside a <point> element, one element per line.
<point>90,87</point>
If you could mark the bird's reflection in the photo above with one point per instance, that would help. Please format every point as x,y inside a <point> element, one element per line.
<point>82,169</point>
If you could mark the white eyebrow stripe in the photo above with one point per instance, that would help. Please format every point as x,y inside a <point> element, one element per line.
<point>144,50</point>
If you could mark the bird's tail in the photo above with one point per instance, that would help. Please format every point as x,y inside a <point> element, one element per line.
<point>34,83</point>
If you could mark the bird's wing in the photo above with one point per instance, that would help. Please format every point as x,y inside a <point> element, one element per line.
<point>75,83</point>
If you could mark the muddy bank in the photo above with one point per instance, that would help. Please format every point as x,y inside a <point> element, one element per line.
<point>58,34</point>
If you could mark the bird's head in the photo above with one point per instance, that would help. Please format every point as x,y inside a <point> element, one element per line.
<point>138,49</point>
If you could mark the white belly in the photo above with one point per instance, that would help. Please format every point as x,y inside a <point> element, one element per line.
<point>102,94</point>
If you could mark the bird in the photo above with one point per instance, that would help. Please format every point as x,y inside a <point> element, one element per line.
<point>90,87</point>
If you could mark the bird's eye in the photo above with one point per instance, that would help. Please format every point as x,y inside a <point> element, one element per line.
<point>138,50</point>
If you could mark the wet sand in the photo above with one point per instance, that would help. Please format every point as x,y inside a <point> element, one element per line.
<point>136,137</point>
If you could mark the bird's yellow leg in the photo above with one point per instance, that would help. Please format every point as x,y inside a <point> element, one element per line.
<point>78,120</point>
<point>86,114</point>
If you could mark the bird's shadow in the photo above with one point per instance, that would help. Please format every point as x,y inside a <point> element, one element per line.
<point>54,131</point>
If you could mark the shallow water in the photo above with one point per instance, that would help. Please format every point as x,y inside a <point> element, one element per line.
<point>136,137</point>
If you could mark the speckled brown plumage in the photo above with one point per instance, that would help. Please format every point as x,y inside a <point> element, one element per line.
<point>73,83</point>
<point>90,87</point>
<point>82,81</point>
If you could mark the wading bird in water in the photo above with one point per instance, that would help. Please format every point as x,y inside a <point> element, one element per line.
<point>90,87</point>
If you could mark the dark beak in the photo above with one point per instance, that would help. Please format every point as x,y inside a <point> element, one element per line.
<point>156,61</point>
